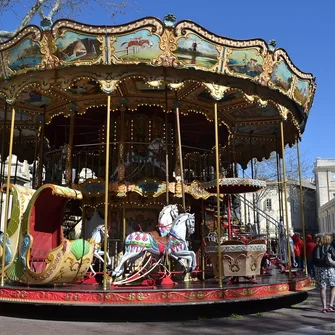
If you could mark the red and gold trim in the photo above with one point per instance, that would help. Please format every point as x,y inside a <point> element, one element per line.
<point>148,297</point>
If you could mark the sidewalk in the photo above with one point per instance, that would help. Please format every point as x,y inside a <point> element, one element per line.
<point>302,318</point>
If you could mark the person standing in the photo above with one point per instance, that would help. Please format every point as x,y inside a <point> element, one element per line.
<point>310,245</point>
<point>324,272</point>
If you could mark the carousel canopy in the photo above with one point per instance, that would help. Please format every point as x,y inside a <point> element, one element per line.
<point>150,67</point>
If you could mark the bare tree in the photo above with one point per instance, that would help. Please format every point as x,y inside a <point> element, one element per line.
<point>48,10</point>
<point>268,170</point>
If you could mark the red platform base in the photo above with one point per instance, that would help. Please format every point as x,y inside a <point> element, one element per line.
<point>198,292</point>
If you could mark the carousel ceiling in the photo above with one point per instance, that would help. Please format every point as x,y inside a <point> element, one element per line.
<point>152,64</point>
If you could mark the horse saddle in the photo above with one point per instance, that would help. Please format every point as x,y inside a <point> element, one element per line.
<point>161,241</point>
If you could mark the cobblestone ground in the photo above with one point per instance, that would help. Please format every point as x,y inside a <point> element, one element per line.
<point>303,318</point>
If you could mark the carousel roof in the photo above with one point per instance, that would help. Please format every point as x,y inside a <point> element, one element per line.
<point>73,66</point>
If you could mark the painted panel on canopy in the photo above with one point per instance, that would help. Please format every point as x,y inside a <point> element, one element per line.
<point>85,86</point>
<point>18,116</point>
<point>255,112</point>
<point>266,129</point>
<point>74,47</point>
<point>34,98</point>
<point>138,46</point>
<point>301,91</point>
<point>246,61</point>
<point>194,51</point>
<point>281,76</point>
<point>228,98</point>
<point>26,55</point>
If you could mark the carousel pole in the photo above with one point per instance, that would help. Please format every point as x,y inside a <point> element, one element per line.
<point>9,168</point>
<point>41,153</point>
<point>285,200</point>
<point>106,193</point>
<point>203,240</point>
<point>218,191</point>
<point>245,206</point>
<point>302,208</point>
<point>180,159</point>
<point>69,152</point>
<point>3,160</point>
<point>166,148</point>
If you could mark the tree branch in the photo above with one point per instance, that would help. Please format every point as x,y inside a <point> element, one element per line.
<point>34,9</point>
<point>53,10</point>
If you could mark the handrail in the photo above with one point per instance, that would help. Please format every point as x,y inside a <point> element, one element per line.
<point>260,211</point>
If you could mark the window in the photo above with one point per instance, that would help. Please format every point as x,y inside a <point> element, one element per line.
<point>333,175</point>
<point>268,205</point>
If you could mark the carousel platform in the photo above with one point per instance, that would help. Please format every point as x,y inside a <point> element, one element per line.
<point>185,293</point>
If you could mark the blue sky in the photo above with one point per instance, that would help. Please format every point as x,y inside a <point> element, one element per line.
<point>304,28</point>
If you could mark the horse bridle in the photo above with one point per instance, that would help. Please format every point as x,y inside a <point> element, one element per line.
<point>172,215</point>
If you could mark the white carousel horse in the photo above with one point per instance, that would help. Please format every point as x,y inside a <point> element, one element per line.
<point>175,245</point>
<point>165,219</point>
<point>97,238</point>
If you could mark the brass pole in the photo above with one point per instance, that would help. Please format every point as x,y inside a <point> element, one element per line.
<point>3,160</point>
<point>124,219</point>
<point>106,192</point>
<point>285,200</point>
<point>202,240</point>
<point>218,191</point>
<point>166,148</point>
<point>69,152</point>
<point>180,158</point>
<point>7,199</point>
<point>302,208</point>
<point>41,153</point>
<point>245,207</point>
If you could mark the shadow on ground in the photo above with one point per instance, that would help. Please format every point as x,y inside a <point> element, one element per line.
<point>149,313</point>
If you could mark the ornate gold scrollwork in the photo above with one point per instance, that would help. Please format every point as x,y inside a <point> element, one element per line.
<point>168,44</point>
<point>48,49</point>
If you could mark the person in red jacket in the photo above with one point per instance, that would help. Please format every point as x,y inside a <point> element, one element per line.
<point>298,244</point>
<point>310,245</point>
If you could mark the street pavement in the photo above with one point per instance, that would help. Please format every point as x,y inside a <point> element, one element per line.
<point>302,318</point>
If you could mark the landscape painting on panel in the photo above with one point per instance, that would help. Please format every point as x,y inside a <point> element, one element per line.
<point>140,45</point>
<point>85,87</point>
<point>75,46</point>
<point>35,98</point>
<point>301,91</point>
<point>282,76</point>
<point>247,61</point>
<point>25,55</point>
<point>192,50</point>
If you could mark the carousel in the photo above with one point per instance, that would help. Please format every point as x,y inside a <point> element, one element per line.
<point>135,136</point>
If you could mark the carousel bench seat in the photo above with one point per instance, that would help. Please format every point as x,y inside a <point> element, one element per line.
<point>238,259</point>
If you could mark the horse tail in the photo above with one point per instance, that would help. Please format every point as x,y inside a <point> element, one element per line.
<point>124,43</point>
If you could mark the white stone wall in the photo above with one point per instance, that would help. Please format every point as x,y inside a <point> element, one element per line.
<point>324,171</point>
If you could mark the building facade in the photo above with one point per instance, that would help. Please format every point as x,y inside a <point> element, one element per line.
<point>324,171</point>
